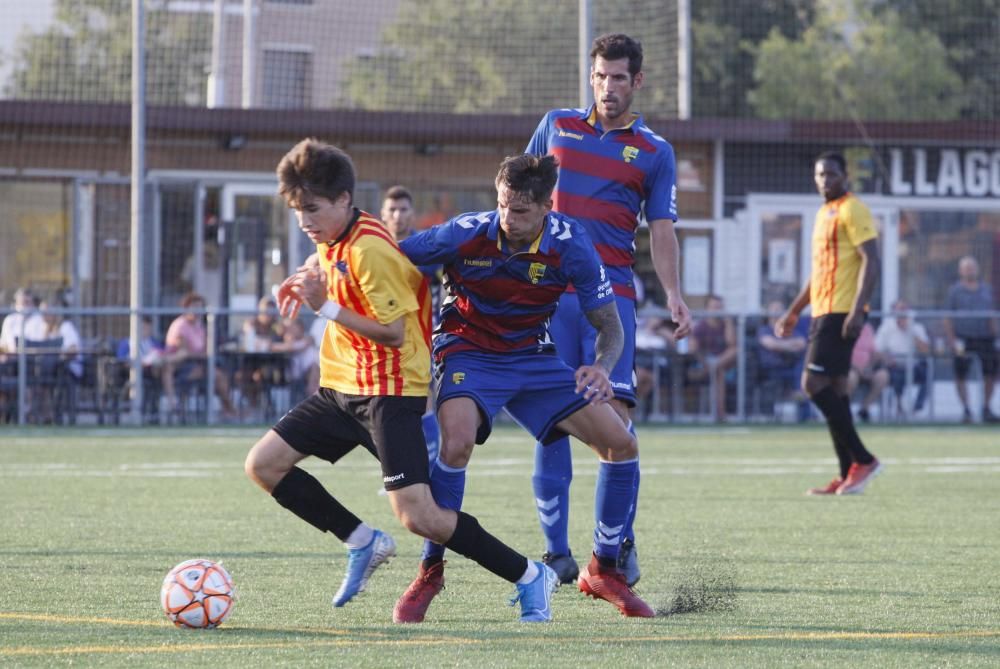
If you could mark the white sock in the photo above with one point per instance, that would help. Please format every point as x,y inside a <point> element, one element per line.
<point>529,575</point>
<point>360,537</point>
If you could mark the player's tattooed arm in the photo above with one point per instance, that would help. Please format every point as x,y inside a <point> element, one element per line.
<point>610,336</point>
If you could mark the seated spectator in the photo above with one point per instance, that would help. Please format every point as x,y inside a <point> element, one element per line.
<point>781,359</point>
<point>866,369</point>
<point>57,326</point>
<point>259,335</point>
<point>900,341</point>
<point>185,354</point>
<point>26,318</point>
<point>654,338</point>
<point>303,363</point>
<point>714,344</point>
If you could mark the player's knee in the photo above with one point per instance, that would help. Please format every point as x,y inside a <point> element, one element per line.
<point>456,449</point>
<point>418,513</point>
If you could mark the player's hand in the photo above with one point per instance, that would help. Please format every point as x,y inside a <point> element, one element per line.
<point>785,324</point>
<point>681,315</point>
<point>310,263</point>
<point>593,382</point>
<point>853,324</point>
<point>310,287</point>
<point>289,303</point>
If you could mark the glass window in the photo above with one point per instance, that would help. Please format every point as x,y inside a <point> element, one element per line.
<point>35,238</point>
<point>780,258</point>
<point>287,76</point>
<point>930,246</point>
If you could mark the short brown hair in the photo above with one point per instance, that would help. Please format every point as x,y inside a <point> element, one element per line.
<point>530,175</point>
<point>615,46</point>
<point>314,169</point>
<point>191,298</point>
<point>398,193</point>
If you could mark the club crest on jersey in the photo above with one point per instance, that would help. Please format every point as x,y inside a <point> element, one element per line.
<point>457,377</point>
<point>630,153</point>
<point>341,266</point>
<point>536,271</point>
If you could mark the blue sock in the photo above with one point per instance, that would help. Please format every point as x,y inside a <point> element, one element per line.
<point>553,473</point>
<point>612,500</point>
<point>448,488</point>
<point>629,532</point>
<point>432,435</point>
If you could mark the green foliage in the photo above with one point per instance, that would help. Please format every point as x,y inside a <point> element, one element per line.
<point>970,31</point>
<point>724,36</point>
<point>86,55</point>
<point>856,64</point>
<point>506,56</point>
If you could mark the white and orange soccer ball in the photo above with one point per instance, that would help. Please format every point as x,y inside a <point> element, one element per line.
<point>197,594</point>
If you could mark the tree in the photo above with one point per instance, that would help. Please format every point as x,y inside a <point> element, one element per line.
<point>724,36</point>
<point>86,55</point>
<point>505,56</point>
<point>855,64</point>
<point>970,31</point>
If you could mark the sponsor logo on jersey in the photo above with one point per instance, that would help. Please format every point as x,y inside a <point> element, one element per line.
<point>458,377</point>
<point>483,262</point>
<point>571,135</point>
<point>536,271</point>
<point>630,153</point>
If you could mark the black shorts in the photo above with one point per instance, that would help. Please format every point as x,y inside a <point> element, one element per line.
<point>829,353</point>
<point>982,348</point>
<point>330,424</point>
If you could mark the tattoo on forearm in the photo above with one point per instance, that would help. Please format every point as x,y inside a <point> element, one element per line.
<point>610,336</point>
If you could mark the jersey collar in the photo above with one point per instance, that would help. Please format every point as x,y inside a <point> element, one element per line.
<point>355,215</point>
<point>590,117</point>
<point>495,232</point>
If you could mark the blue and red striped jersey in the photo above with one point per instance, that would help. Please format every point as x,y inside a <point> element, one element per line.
<point>606,179</point>
<point>500,301</point>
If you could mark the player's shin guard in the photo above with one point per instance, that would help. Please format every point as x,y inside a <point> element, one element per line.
<point>612,500</point>
<point>553,473</point>
<point>448,488</point>
<point>306,497</point>
<point>432,435</point>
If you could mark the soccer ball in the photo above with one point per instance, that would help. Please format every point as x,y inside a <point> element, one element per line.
<point>197,594</point>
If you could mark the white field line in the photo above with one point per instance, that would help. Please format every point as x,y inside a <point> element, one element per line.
<point>507,466</point>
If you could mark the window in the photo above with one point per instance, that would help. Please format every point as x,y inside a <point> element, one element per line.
<point>287,79</point>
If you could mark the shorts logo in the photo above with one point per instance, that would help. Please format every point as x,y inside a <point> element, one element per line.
<point>394,478</point>
<point>630,153</point>
<point>813,367</point>
<point>458,377</point>
<point>536,271</point>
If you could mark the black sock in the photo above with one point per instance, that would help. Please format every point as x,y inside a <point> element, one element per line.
<point>475,543</point>
<point>306,497</point>
<point>840,422</point>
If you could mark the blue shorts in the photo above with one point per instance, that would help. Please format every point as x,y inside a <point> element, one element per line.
<point>538,390</point>
<point>574,337</point>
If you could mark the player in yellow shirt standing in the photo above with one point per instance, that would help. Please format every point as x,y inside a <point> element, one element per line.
<point>845,269</point>
<point>374,375</point>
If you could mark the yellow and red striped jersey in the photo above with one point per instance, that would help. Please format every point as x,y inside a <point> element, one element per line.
<point>367,273</point>
<point>842,225</point>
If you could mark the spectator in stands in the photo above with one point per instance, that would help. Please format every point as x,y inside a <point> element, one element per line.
<point>898,343</point>
<point>714,344</point>
<point>970,336</point>
<point>25,316</point>
<point>57,326</point>
<point>866,369</point>
<point>303,363</point>
<point>186,350</point>
<point>781,358</point>
<point>259,335</point>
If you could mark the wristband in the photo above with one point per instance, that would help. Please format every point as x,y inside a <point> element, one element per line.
<point>330,310</point>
